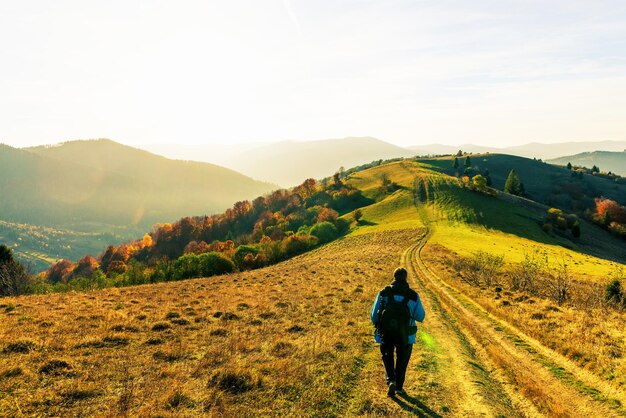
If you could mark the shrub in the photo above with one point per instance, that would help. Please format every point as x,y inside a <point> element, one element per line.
<point>203,265</point>
<point>482,267</point>
<point>343,226</point>
<point>324,231</point>
<point>614,295</point>
<point>241,253</point>
<point>559,284</point>
<point>215,263</point>
<point>525,274</point>
<point>297,244</point>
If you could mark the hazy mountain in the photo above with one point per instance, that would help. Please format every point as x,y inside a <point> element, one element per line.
<point>220,154</point>
<point>108,190</point>
<point>102,179</point>
<point>605,160</point>
<point>531,150</point>
<point>440,149</point>
<point>289,163</point>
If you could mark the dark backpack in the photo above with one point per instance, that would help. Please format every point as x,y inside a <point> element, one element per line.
<point>394,318</point>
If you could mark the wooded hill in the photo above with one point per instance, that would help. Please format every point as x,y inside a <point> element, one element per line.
<point>104,187</point>
<point>545,183</point>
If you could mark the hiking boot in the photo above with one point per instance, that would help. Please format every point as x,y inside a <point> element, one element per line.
<point>400,392</point>
<point>391,391</point>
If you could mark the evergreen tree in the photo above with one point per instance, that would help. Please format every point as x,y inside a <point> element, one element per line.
<point>468,161</point>
<point>569,166</point>
<point>576,229</point>
<point>595,169</point>
<point>487,176</point>
<point>455,165</point>
<point>460,153</point>
<point>513,184</point>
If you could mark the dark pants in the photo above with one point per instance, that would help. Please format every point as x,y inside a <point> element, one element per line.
<point>396,373</point>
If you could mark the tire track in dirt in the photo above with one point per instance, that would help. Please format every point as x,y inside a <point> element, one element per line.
<point>539,380</point>
<point>447,361</point>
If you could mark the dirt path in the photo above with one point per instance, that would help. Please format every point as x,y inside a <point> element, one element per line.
<point>486,367</point>
<point>458,377</point>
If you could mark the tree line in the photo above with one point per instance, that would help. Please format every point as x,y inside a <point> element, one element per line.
<point>250,234</point>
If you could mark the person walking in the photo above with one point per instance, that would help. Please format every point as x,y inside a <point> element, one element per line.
<point>394,313</point>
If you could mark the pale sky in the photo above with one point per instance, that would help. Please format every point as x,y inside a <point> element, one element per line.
<point>493,72</point>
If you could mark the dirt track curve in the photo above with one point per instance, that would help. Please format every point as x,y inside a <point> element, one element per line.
<point>482,366</point>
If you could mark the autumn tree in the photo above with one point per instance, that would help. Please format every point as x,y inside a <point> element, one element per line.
<point>85,267</point>
<point>610,211</point>
<point>513,184</point>
<point>60,271</point>
<point>328,214</point>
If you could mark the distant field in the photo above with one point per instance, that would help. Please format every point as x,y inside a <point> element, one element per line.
<point>38,246</point>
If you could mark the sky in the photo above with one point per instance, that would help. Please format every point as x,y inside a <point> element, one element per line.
<point>489,72</point>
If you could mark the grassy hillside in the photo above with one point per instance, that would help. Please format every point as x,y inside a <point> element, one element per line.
<point>544,183</point>
<point>614,162</point>
<point>96,187</point>
<point>289,163</point>
<point>468,221</point>
<point>294,339</point>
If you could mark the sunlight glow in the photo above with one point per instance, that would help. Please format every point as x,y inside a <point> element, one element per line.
<point>494,73</point>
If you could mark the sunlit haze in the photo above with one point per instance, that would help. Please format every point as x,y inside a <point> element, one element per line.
<point>409,72</point>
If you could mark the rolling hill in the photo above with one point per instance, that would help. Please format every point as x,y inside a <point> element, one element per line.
<point>607,161</point>
<point>545,183</point>
<point>289,163</point>
<point>292,339</point>
<point>108,188</point>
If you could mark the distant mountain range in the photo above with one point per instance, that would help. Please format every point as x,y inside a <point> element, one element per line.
<point>614,162</point>
<point>531,150</point>
<point>288,163</point>
<point>103,181</point>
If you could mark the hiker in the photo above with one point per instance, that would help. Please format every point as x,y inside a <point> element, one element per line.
<point>394,313</point>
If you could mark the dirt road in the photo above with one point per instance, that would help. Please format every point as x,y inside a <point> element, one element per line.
<point>470,363</point>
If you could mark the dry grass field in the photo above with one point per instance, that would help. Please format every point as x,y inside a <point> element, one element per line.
<point>589,335</point>
<point>288,340</point>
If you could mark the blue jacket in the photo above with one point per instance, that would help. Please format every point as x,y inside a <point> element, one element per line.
<point>415,308</point>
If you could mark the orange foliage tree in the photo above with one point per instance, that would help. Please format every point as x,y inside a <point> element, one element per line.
<point>610,211</point>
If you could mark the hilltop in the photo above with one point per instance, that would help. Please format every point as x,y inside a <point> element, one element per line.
<point>102,187</point>
<point>607,161</point>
